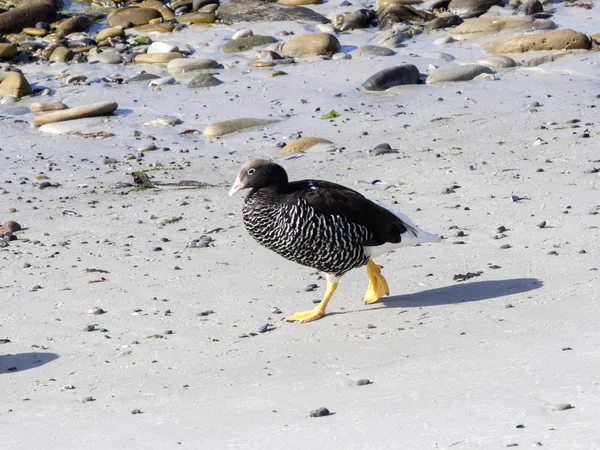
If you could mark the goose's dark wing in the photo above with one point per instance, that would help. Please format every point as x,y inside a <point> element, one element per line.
<point>331,198</point>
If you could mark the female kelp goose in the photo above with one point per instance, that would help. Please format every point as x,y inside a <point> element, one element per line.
<point>322,225</point>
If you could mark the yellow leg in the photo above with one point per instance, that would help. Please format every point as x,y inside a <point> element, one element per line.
<point>319,311</point>
<point>378,287</point>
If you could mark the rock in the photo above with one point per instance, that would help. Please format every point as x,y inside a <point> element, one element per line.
<point>15,85</point>
<point>319,412</point>
<point>443,22</point>
<point>354,20</point>
<point>550,40</point>
<point>74,24</point>
<point>185,65</point>
<point>393,37</point>
<point>61,54</point>
<point>48,106</point>
<point>472,8</point>
<point>161,47</point>
<point>143,77</point>
<point>437,55</point>
<point>198,4</point>
<point>93,110</point>
<point>136,16</point>
<point>543,24</point>
<point>106,57</point>
<point>244,32</point>
<point>109,33</point>
<point>299,2</point>
<point>496,62</point>
<point>457,73</point>
<point>373,50</point>
<point>197,17</point>
<point>156,58</point>
<point>89,125</point>
<point>155,28</point>
<point>261,11</point>
<point>384,3</point>
<point>529,7</point>
<point>204,80</point>
<point>534,62</point>
<point>218,129</point>
<point>398,13</point>
<point>10,227</point>
<point>163,81</point>
<point>165,12</point>
<point>302,144</point>
<point>491,25</point>
<point>7,50</point>
<point>246,43</point>
<point>363,382</point>
<point>165,121</point>
<point>392,76</point>
<point>267,55</point>
<point>311,44</point>
<point>14,20</point>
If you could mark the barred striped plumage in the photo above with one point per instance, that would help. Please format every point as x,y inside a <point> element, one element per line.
<point>329,243</point>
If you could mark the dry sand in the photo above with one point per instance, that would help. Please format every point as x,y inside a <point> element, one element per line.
<point>452,365</point>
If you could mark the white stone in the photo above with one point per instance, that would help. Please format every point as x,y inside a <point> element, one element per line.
<point>161,47</point>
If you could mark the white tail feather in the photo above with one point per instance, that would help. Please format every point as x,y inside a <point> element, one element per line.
<point>413,236</point>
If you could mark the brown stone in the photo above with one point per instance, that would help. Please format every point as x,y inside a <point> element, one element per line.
<point>302,144</point>
<point>549,40</point>
<point>61,54</point>
<point>109,33</point>
<point>384,3</point>
<point>490,25</point>
<point>165,12</point>
<point>7,50</point>
<point>156,58</point>
<point>132,15</point>
<point>15,85</point>
<point>10,226</point>
<point>14,20</point>
<point>155,28</point>
<point>197,18</point>
<point>36,32</point>
<point>299,2</point>
<point>75,24</point>
<point>311,44</point>
<point>47,106</point>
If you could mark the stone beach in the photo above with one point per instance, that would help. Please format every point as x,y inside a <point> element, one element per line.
<point>135,310</point>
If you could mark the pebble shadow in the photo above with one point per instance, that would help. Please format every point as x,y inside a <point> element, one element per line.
<point>463,292</point>
<point>24,361</point>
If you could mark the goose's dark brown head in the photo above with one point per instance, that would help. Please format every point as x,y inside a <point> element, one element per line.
<point>257,174</point>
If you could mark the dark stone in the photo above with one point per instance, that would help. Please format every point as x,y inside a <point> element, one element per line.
<point>443,22</point>
<point>262,11</point>
<point>197,4</point>
<point>247,43</point>
<point>472,8</point>
<point>142,77</point>
<point>398,13</point>
<point>393,76</point>
<point>204,80</point>
<point>529,7</point>
<point>319,412</point>
<point>356,20</point>
<point>16,19</point>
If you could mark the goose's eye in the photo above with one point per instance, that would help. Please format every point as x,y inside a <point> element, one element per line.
<point>251,171</point>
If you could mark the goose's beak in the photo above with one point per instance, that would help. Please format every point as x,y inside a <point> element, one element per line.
<point>237,186</point>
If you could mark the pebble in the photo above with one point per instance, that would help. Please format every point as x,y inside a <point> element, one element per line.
<point>136,411</point>
<point>457,73</point>
<point>218,129</point>
<point>561,407</point>
<point>185,65</point>
<point>310,287</point>
<point>392,76</point>
<point>320,412</point>
<point>542,224</point>
<point>89,328</point>
<point>95,311</point>
<point>363,382</point>
<point>311,44</point>
<point>204,80</point>
<point>264,327</point>
<point>93,110</point>
<point>383,149</point>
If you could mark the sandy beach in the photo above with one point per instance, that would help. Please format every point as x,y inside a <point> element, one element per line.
<point>147,318</point>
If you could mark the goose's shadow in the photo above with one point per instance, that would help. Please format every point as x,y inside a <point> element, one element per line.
<point>24,361</point>
<point>459,293</point>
